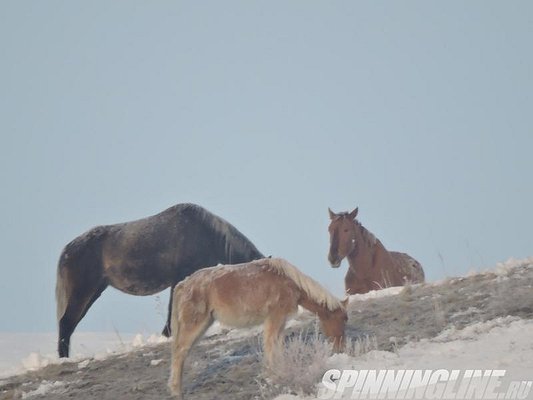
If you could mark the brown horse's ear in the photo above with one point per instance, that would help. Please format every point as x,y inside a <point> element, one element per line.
<point>345,302</point>
<point>332,215</point>
<point>353,214</point>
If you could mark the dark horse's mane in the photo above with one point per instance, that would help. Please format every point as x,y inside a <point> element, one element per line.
<point>233,239</point>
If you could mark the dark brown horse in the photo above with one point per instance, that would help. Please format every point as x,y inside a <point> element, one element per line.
<point>372,266</point>
<point>142,257</point>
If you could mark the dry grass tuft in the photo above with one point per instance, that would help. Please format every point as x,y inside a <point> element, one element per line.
<point>360,346</point>
<point>439,313</point>
<point>298,366</point>
<point>407,292</point>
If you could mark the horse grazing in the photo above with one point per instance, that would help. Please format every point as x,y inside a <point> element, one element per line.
<point>142,257</point>
<point>372,266</point>
<point>263,291</point>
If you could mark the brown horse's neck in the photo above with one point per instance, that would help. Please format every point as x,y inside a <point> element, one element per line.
<point>359,258</point>
<point>370,267</point>
<point>363,262</point>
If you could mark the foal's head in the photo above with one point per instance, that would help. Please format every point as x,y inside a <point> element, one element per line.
<point>342,236</point>
<point>333,324</point>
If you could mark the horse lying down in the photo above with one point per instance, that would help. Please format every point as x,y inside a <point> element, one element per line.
<point>263,291</point>
<point>372,266</point>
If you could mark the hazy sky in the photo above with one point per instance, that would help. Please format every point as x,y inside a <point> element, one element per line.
<point>265,113</point>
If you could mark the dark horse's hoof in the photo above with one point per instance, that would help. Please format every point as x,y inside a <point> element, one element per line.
<point>63,348</point>
<point>166,331</point>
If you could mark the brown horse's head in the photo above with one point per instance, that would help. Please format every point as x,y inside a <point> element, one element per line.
<point>342,236</point>
<point>333,324</point>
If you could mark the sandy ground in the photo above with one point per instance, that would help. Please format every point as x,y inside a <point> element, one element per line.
<point>227,366</point>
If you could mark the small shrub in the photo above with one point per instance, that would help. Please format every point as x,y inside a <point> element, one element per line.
<point>438,312</point>
<point>298,366</point>
<point>360,346</point>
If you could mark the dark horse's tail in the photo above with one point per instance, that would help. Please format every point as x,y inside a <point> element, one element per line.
<point>62,289</point>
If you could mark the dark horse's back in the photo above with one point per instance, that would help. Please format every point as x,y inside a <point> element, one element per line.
<point>145,256</point>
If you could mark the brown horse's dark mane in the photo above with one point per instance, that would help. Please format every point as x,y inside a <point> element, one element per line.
<point>368,236</point>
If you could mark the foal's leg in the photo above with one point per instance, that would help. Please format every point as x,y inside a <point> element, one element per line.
<point>83,295</point>
<point>272,333</point>
<point>167,329</point>
<point>186,334</point>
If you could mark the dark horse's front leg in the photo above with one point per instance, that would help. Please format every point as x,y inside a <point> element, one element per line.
<point>166,329</point>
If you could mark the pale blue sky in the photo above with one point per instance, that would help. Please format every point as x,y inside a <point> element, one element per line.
<point>266,113</point>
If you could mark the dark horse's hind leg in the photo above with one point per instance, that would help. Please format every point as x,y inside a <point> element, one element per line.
<point>166,329</point>
<point>76,309</point>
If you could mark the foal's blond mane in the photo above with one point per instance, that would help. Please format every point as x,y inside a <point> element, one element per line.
<point>312,288</point>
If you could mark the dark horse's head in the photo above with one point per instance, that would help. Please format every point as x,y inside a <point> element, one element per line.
<point>342,236</point>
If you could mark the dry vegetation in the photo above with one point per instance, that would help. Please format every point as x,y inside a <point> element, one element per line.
<point>224,368</point>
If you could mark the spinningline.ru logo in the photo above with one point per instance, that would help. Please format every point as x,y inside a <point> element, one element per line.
<point>404,384</point>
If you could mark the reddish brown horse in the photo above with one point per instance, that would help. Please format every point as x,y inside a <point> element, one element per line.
<point>265,292</point>
<point>372,266</point>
